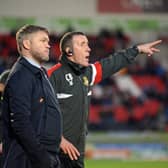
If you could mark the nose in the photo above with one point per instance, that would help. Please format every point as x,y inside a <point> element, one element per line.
<point>89,49</point>
<point>48,45</point>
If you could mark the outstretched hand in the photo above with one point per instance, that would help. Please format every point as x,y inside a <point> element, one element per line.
<point>149,48</point>
<point>70,149</point>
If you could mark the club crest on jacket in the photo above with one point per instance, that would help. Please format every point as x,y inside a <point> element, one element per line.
<point>85,81</point>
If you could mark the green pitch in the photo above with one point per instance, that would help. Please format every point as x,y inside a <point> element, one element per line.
<point>125,164</point>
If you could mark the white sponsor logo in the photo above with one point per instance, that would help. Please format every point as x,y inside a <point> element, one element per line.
<point>69,78</point>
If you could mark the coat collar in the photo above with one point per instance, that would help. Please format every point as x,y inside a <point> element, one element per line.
<point>76,68</point>
<point>29,66</point>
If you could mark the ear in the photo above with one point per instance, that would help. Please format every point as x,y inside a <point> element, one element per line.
<point>26,44</point>
<point>68,51</point>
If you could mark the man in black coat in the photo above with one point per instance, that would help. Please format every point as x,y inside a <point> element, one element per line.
<point>31,114</point>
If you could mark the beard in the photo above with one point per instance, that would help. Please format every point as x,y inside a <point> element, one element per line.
<point>39,56</point>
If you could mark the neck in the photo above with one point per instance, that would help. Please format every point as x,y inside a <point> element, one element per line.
<point>78,69</point>
<point>32,61</point>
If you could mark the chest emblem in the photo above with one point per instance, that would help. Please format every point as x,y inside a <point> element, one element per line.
<point>85,81</point>
<point>69,78</point>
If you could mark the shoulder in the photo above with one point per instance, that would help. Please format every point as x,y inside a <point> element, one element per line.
<point>20,76</point>
<point>54,69</point>
<point>94,72</point>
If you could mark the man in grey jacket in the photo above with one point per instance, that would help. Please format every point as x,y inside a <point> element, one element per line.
<point>72,79</point>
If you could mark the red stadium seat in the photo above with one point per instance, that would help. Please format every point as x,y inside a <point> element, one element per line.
<point>152,107</point>
<point>94,116</point>
<point>138,113</point>
<point>147,81</point>
<point>121,114</point>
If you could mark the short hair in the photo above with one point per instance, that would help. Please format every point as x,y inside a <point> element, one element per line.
<point>66,40</point>
<point>25,31</point>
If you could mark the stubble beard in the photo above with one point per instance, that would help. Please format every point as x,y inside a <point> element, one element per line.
<point>40,57</point>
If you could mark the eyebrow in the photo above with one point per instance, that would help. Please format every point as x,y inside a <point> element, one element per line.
<point>85,42</point>
<point>46,38</point>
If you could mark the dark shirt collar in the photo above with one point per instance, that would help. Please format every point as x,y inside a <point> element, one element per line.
<point>28,65</point>
<point>76,68</point>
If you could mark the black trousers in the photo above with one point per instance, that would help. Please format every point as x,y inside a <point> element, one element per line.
<point>27,163</point>
<point>56,157</point>
<point>66,162</point>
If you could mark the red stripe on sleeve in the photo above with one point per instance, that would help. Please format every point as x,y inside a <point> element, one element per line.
<point>53,68</point>
<point>98,77</point>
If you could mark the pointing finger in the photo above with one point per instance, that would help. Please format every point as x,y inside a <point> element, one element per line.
<point>156,42</point>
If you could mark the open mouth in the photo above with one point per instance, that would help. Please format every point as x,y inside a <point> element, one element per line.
<point>47,51</point>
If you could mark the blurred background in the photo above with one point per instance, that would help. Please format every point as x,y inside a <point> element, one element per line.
<point>129,111</point>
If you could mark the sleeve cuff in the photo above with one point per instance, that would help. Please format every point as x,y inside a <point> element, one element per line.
<point>136,49</point>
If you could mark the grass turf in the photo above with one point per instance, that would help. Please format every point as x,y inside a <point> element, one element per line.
<point>125,164</point>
